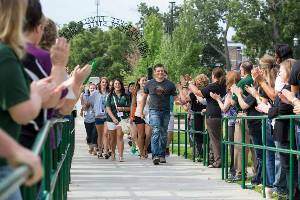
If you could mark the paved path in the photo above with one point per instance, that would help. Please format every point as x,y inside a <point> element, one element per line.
<point>135,179</point>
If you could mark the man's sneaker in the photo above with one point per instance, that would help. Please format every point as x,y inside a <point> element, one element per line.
<point>167,151</point>
<point>162,160</point>
<point>156,160</point>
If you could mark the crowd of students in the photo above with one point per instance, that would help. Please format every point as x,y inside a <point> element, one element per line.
<point>35,86</point>
<point>271,88</point>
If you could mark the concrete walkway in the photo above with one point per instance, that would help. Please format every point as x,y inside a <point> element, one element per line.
<point>136,179</point>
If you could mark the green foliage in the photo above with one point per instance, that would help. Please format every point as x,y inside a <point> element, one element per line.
<point>71,29</point>
<point>262,24</point>
<point>180,54</point>
<point>108,49</point>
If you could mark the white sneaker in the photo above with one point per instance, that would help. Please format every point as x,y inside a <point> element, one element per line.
<point>269,192</point>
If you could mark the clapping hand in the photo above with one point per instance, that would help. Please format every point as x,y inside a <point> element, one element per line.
<point>60,52</point>
<point>297,109</point>
<point>43,87</point>
<point>257,74</point>
<point>251,90</point>
<point>263,107</point>
<point>80,74</point>
<point>286,96</point>
<point>235,89</point>
<point>215,96</point>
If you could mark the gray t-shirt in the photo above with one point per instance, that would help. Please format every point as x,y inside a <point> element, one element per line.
<point>160,93</point>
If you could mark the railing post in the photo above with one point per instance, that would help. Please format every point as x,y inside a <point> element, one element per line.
<point>243,153</point>
<point>172,147</point>
<point>193,134</point>
<point>291,172</point>
<point>178,136</point>
<point>186,131</point>
<point>225,125</point>
<point>47,165</point>
<point>264,161</point>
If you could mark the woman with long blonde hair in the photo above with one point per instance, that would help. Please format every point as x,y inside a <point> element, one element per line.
<point>20,103</point>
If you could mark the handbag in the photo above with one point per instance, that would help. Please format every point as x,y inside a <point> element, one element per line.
<point>124,123</point>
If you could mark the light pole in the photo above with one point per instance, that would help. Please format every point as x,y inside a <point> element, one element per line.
<point>171,25</point>
<point>296,48</point>
<point>97,3</point>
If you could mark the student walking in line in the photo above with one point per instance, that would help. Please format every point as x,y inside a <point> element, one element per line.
<point>99,101</point>
<point>159,90</point>
<point>89,118</point>
<point>117,108</point>
<point>143,129</point>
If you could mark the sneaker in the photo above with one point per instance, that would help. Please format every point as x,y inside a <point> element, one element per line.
<point>237,178</point>
<point>167,151</point>
<point>121,159</point>
<point>156,160</point>
<point>106,156</point>
<point>162,160</point>
<point>269,192</point>
<point>99,154</point>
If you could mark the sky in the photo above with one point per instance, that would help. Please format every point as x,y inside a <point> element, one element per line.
<point>64,11</point>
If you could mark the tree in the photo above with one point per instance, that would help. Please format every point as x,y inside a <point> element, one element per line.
<point>71,29</point>
<point>145,12</point>
<point>262,24</point>
<point>181,52</point>
<point>108,49</point>
<point>214,20</point>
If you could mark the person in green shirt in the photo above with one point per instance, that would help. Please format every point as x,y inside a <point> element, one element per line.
<point>18,103</point>
<point>245,70</point>
<point>117,108</point>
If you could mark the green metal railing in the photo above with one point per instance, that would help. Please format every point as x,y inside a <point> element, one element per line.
<point>187,131</point>
<point>291,151</point>
<point>56,164</point>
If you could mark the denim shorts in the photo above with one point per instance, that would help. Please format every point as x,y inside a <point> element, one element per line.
<point>99,121</point>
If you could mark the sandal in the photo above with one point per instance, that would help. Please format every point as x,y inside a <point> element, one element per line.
<point>121,159</point>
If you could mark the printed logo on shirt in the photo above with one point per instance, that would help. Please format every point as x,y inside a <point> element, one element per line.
<point>159,90</point>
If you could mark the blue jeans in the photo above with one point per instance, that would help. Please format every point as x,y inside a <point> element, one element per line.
<point>281,168</point>
<point>159,121</point>
<point>270,156</point>
<point>257,140</point>
<point>4,172</point>
<point>280,173</point>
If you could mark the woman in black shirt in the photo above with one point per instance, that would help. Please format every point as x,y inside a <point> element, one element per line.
<point>213,111</point>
